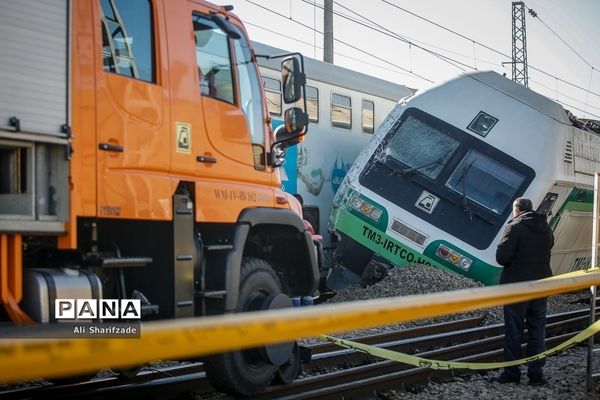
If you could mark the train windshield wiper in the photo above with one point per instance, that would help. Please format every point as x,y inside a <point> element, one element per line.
<point>466,207</point>
<point>410,170</point>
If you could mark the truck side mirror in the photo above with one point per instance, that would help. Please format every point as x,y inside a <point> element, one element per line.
<point>293,80</point>
<point>288,134</point>
<point>295,121</point>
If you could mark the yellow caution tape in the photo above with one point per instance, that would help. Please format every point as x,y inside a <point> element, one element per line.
<point>441,364</point>
<point>22,358</point>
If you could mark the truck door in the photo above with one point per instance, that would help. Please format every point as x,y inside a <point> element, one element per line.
<point>132,113</point>
<point>230,92</point>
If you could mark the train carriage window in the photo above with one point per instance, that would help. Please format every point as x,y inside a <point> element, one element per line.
<point>368,116</point>
<point>341,111</point>
<point>213,59</point>
<point>485,181</point>
<point>273,95</point>
<point>420,147</point>
<point>312,103</point>
<point>127,40</point>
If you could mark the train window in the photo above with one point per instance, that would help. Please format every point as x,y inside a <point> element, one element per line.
<point>341,111</point>
<point>368,116</point>
<point>312,103</point>
<point>273,95</point>
<point>420,147</point>
<point>485,181</point>
<point>127,41</point>
<point>214,62</point>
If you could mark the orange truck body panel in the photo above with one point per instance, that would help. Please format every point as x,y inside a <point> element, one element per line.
<point>144,118</point>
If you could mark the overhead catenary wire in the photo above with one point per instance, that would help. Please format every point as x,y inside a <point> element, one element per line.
<point>485,46</point>
<point>535,15</point>
<point>460,35</point>
<point>321,48</point>
<point>379,27</point>
<point>386,32</point>
<point>345,43</point>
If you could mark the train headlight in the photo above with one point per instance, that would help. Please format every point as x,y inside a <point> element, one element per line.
<point>454,257</point>
<point>356,202</point>
<point>376,213</point>
<point>365,208</point>
<point>465,263</point>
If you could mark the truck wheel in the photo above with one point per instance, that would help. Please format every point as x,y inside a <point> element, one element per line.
<point>247,372</point>
<point>289,371</point>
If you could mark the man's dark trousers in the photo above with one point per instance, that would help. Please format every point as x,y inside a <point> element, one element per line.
<point>532,314</point>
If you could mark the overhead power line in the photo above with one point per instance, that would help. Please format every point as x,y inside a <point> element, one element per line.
<point>487,47</point>
<point>384,31</point>
<point>343,42</point>
<point>535,15</point>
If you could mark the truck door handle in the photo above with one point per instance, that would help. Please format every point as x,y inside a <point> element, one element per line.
<point>110,147</point>
<point>206,159</point>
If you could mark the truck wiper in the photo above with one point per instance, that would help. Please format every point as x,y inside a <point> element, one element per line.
<point>410,170</point>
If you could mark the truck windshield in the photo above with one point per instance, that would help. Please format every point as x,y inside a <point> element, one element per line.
<point>485,181</point>
<point>420,147</point>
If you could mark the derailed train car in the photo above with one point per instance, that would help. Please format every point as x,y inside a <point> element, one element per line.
<point>436,184</point>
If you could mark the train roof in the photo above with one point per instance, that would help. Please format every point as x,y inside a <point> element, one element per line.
<point>520,93</point>
<point>336,75</point>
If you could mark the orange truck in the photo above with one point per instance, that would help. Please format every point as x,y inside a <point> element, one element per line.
<point>137,161</point>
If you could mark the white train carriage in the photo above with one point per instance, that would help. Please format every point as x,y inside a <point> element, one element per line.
<point>344,108</point>
<point>436,184</point>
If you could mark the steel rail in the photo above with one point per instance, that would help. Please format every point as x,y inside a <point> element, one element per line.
<point>363,373</point>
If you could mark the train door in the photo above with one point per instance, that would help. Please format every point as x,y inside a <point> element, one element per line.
<point>132,113</point>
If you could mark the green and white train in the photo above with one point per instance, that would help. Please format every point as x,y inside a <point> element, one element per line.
<point>436,184</point>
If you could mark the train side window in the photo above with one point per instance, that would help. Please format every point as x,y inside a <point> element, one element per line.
<point>213,59</point>
<point>127,40</point>
<point>312,103</point>
<point>273,95</point>
<point>485,181</point>
<point>368,116</point>
<point>341,111</point>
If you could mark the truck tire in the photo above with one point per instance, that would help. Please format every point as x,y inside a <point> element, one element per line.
<point>248,372</point>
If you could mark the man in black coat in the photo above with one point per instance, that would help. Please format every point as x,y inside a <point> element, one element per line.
<point>524,252</point>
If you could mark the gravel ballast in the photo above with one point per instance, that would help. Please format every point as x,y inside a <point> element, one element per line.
<point>566,371</point>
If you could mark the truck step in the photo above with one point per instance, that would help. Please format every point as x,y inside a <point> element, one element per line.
<point>218,247</point>
<point>125,262</point>
<point>213,294</point>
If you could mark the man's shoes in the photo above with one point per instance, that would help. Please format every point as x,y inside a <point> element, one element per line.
<point>537,381</point>
<point>505,378</point>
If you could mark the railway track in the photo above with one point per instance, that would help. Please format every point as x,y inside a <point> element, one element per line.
<point>333,372</point>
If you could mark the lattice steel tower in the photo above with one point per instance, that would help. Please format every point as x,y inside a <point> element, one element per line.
<point>519,44</point>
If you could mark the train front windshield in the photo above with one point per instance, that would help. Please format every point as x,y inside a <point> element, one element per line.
<point>485,181</point>
<point>472,183</point>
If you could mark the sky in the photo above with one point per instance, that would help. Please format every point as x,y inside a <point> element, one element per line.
<point>563,46</point>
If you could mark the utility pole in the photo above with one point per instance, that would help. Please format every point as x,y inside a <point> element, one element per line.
<point>328,31</point>
<point>519,44</point>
